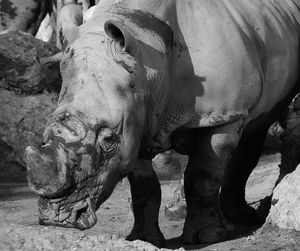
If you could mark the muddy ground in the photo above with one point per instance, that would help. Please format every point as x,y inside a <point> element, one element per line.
<point>19,229</point>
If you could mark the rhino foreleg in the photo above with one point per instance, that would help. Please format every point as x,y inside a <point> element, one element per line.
<point>243,161</point>
<point>146,199</point>
<point>203,178</point>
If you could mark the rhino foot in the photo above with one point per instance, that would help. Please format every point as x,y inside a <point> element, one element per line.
<point>155,237</point>
<point>241,214</point>
<point>207,225</point>
<point>207,235</point>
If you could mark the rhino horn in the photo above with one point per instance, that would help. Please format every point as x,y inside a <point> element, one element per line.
<point>46,176</point>
<point>69,18</point>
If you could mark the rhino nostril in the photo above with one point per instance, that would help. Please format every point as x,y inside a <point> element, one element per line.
<point>64,116</point>
<point>45,144</point>
<point>80,212</point>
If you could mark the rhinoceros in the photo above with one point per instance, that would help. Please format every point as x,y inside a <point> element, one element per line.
<point>203,77</point>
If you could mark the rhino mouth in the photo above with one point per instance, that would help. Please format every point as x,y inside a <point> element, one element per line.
<point>80,214</point>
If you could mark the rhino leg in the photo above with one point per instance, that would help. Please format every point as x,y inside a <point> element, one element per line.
<point>244,159</point>
<point>203,177</point>
<point>146,199</point>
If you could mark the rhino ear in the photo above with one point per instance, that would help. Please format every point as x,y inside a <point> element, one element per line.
<point>69,18</point>
<point>120,35</point>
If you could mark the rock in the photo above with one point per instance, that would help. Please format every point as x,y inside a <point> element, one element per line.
<point>285,207</point>
<point>175,208</point>
<point>272,141</point>
<point>176,212</point>
<point>169,165</point>
<point>290,148</point>
<point>29,85</point>
<point>22,123</point>
<point>25,64</point>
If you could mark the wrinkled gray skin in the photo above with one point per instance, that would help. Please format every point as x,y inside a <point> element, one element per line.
<point>203,77</point>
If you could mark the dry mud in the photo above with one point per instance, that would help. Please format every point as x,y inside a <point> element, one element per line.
<point>19,229</point>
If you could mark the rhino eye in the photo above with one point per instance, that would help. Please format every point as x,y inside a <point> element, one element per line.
<point>107,140</point>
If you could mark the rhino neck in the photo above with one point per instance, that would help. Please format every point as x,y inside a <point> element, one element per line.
<point>173,117</point>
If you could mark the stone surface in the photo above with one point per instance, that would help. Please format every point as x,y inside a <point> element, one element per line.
<point>29,86</point>
<point>285,203</point>
<point>285,208</point>
<point>39,238</point>
<point>22,123</point>
<point>176,212</point>
<point>175,208</point>
<point>273,141</point>
<point>169,165</point>
<point>25,66</point>
<point>290,148</point>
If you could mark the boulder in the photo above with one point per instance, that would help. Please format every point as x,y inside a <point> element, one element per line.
<point>273,141</point>
<point>28,65</point>
<point>285,207</point>
<point>29,86</point>
<point>169,165</point>
<point>290,148</point>
<point>22,122</point>
<point>175,208</point>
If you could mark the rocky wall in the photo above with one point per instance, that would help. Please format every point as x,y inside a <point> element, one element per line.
<point>29,86</point>
<point>285,205</point>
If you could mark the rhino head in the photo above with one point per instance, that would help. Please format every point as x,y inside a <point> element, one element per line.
<point>92,140</point>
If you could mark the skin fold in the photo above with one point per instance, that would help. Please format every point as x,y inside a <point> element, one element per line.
<point>204,77</point>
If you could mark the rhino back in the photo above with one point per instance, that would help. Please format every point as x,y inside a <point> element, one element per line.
<point>229,58</point>
<point>241,57</point>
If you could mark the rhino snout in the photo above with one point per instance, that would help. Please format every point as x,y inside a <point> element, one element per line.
<point>47,173</point>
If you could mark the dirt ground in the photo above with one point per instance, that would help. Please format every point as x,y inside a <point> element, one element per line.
<point>19,229</point>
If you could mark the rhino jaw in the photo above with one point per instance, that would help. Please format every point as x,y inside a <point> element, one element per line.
<point>81,215</point>
<point>84,215</point>
<point>48,176</point>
